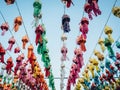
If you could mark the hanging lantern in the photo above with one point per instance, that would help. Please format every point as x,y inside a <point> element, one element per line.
<point>108,45</point>
<point>118,56</point>
<point>67,2</point>
<point>2,53</point>
<point>39,30</point>
<point>91,68</point>
<point>118,44</point>
<point>17,23</point>
<point>116,11</point>
<point>9,65</point>
<point>101,43</point>
<point>79,57</point>
<point>4,27</point>
<point>63,37</point>
<point>9,2</point>
<point>18,64</point>
<point>64,52</point>
<point>88,10</point>
<point>65,23</point>
<point>37,9</point>
<point>84,26</point>
<point>81,41</point>
<point>30,51</point>
<point>95,7</point>
<point>99,55</point>
<point>96,64</point>
<point>24,41</point>
<point>108,31</point>
<point>17,50</point>
<point>11,43</point>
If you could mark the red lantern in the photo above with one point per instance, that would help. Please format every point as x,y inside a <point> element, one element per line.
<point>9,2</point>
<point>84,26</point>
<point>2,53</point>
<point>4,27</point>
<point>17,50</point>
<point>88,10</point>
<point>68,3</point>
<point>11,43</point>
<point>39,30</point>
<point>9,65</point>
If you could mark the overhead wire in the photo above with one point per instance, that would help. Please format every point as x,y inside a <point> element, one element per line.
<point>103,28</point>
<point>22,21</point>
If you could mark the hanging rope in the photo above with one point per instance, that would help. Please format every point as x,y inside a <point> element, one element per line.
<point>23,21</point>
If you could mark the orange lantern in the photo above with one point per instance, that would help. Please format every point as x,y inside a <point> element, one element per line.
<point>24,41</point>
<point>30,51</point>
<point>17,23</point>
<point>81,41</point>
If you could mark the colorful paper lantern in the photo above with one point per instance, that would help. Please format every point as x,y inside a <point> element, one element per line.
<point>9,65</point>
<point>108,44</point>
<point>30,50</point>
<point>65,23</point>
<point>17,23</point>
<point>39,30</point>
<point>108,31</point>
<point>84,26</point>
<point>4,27</point>
<point>67,2</point>
<point>116,11</point>
<point>37,9</point>
<point>81,41</point>
<point>2,53</point>
<point>99,55</point>
<point>24,41</point>
<point>101,43</point>
<point>11,43</point>
<point>9,2</point>
<point>17,50</point>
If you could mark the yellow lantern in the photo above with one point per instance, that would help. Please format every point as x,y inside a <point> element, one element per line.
<point>101,43</point>
<point>108,31</point>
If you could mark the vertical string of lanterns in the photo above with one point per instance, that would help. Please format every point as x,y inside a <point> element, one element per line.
<point>66,29</point>
<point>41,41</point>
<point>78,61</point>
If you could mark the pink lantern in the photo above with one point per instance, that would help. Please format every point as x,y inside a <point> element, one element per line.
<point>17,50</point>
<point>11,43</point>
<point>4,27</point>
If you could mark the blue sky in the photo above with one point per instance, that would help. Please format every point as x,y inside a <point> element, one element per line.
<point>52,11</point>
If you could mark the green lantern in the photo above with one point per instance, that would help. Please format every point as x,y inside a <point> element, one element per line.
<point>37,8</point>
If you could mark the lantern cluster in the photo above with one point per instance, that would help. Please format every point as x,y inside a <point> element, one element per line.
<point>103,72</point>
